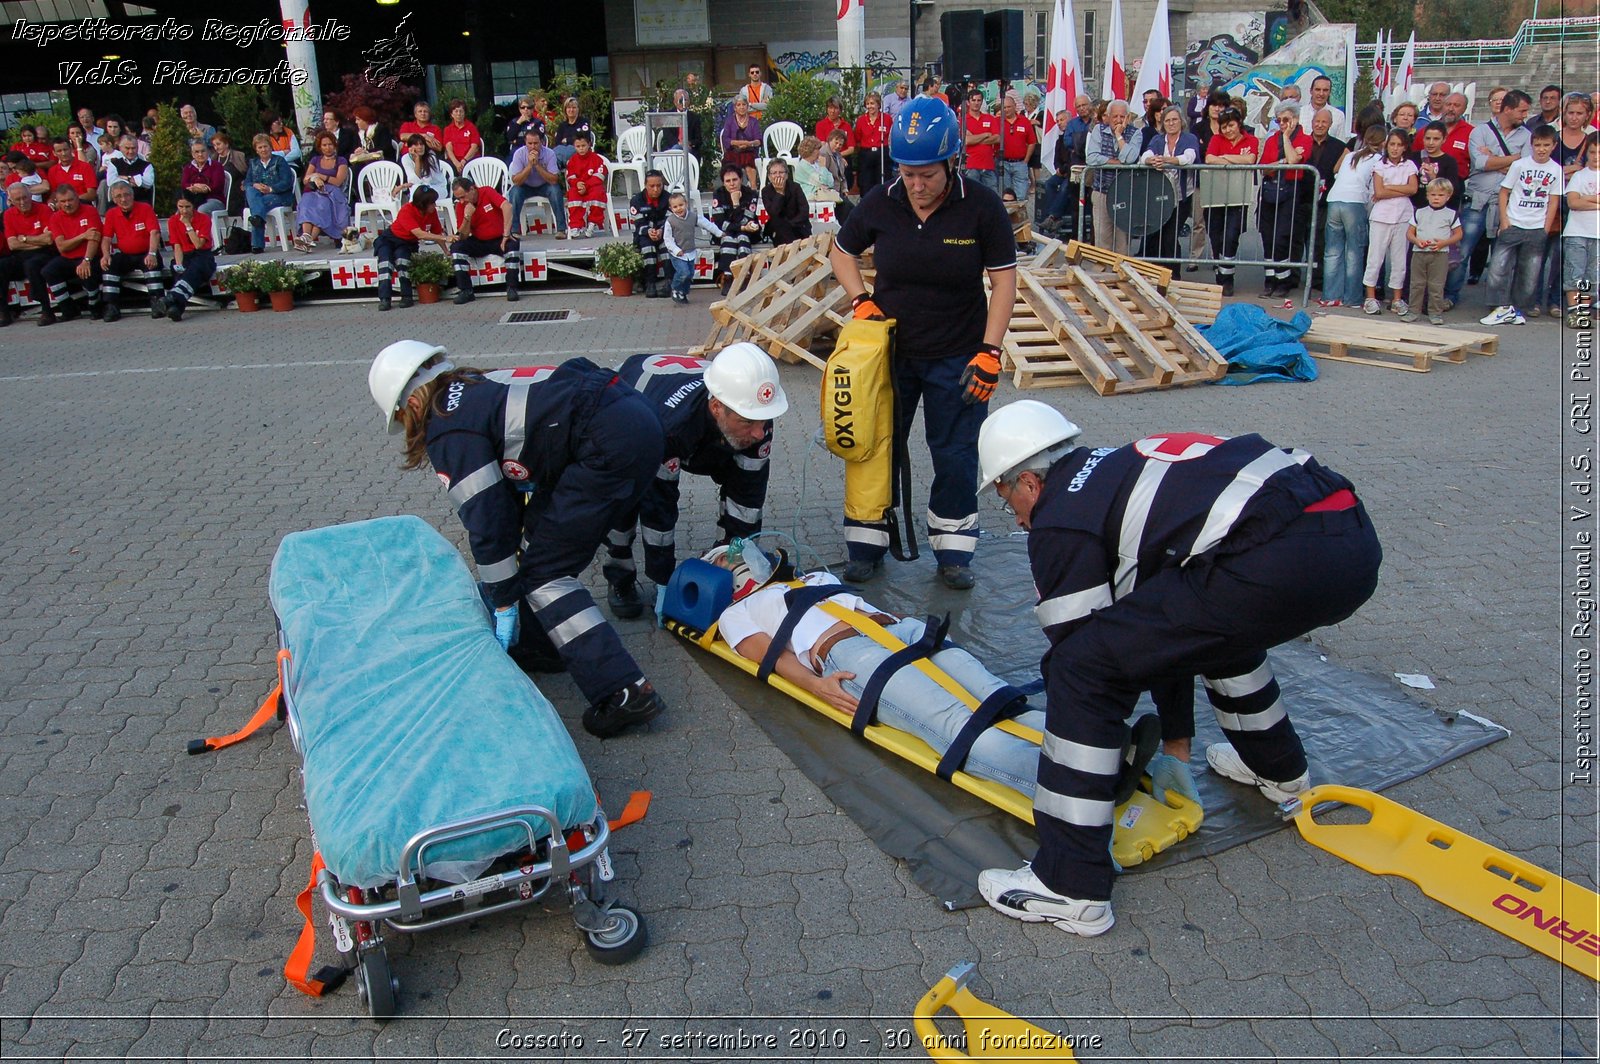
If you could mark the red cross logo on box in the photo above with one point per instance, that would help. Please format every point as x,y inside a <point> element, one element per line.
<point>619,219</point>
<point>344,277</point>
<point>537,225</point>
<point>704,265</point>
<point>825,213</point>
<point>367,274</point>
<point>762,216</point>
<point>491,272</point>
<point>534,268</point>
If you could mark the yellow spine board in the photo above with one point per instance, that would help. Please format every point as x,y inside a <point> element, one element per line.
<point>1522,901</point>
<point>989,1032</point>
<point>1143,827</point>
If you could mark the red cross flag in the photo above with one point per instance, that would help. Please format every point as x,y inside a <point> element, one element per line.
<point>1064,80</point>
<point>1156,70</point>
<point>1114,86</point>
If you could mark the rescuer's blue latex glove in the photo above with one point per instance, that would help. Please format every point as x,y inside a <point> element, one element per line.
<point>1167,773</point>
<point>505,626</point>
<point>661,605</point>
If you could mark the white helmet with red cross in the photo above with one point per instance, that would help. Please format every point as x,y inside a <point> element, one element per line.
<point>744,379</point>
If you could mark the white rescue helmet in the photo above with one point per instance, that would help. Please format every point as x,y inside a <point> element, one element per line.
<point>1015,433</point>
<point>744,581</point>
<point>390,378</point>
<point>744,379</point>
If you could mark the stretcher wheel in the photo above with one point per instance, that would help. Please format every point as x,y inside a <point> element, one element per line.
<point>621,940</point>
<point>376,984</point>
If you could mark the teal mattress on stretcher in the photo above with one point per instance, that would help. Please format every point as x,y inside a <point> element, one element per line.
<point>409,714</point>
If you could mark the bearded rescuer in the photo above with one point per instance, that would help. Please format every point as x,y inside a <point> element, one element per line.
<point>1181,554</point>
<point>934,235</point>
<point>539,464</point>
<point>717,417</point>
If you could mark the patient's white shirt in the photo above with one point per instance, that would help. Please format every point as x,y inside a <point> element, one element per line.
<point>765,610</point>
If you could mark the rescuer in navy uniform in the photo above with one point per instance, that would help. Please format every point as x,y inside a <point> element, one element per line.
<point>934,236</point>
<point>538,468</point>
<point>717,418</point>
<point>1179,555</point>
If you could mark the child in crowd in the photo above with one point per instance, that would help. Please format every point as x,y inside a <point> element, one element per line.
<point>1434,230</point>
<point>586,188</point>
<point>1580,241</point>
<point>679,235</point>
<point>1394,182</point>
<point>1530,199</point>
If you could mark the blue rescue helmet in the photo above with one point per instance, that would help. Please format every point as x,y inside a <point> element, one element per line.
<point>926,131</point>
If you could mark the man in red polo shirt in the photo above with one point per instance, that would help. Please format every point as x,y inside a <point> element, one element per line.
<point>1016,138</point>
<point>71,171</point>
<point>193,253</point>
<point>483,227</point>
<point>1457,130</point>
<point>982,137</point>
<point>136,231</point>
<point>31,245</point>
<point>76,228</point>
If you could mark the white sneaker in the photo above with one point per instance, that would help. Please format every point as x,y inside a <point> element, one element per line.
<point>1225,761</point>
<point>1400,307</point>
<point>1503,316</point>
<point>1372,306</point>
<point>1019,894</point>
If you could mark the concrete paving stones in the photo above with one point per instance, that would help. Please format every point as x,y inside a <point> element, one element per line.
<point>147,898</point>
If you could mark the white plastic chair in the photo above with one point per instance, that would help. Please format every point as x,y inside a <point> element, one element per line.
<point>377,183</point>
<point>611,211</point>
<point>682,172</point>
<point>489,171</point>
<point>780,138</point>
<point>285,220</point>
<point>632,148</point>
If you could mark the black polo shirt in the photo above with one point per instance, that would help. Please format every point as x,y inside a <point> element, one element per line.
<point>930,274</point>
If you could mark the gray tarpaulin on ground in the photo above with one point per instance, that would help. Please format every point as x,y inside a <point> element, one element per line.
<point>1359,730</point>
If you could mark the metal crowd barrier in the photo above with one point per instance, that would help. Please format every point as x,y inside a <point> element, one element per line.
<point>1140,201</point>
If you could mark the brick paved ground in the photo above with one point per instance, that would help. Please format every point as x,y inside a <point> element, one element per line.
<point>146,898</point>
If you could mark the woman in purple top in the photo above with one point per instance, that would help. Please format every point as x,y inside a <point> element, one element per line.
<point>325,206</point>
<point>204,180</point>
<point>741,140</point>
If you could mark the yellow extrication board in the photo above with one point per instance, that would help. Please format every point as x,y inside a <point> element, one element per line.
<point>988,1033</point>
<point>1537,908</point>
<point>1144,826</point>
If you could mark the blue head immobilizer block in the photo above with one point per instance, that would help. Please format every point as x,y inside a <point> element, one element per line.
<point>698,593</point>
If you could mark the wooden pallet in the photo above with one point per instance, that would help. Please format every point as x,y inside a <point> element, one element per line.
<point>782,299</point>
<point>1077,253</point>
<point>1393,345</point>
<point>1115,332</point>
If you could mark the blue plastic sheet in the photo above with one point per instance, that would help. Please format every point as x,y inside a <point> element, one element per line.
<point>410,714</point>
<point>1259,347</point>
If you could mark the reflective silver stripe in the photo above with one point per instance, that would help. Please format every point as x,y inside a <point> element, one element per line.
<point>494,572</point>
<point>516,420</point>
<point>576,625</point>
<point>1100,760</point>
<point>877,537</point>
<point>1064,608</point>
<point>480,479</point>
<point>1225,511</point>
<point>618,537</point>
<point>554,591</point>
<point>667,472</point>
<point>1252,722</point>
<point>1079,811</point>
<point>965,542</point>
<point>749,464</point>
<point>750,515</point>
<point>1135,516</point>
<point>656,538</point>
<point>952,524</point>
<point>1239,686</point>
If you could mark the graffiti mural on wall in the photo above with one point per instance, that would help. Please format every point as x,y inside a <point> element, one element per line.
<point>795,59</point>
<point>1218,60</point>
<point>1321,50</point>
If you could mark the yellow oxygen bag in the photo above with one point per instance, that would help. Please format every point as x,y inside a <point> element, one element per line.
<point>858,417</point>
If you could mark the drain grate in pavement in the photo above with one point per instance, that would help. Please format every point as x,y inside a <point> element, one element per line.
<point>536,317</point>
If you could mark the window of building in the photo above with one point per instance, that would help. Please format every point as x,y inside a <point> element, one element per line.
<point>600,70</point>
<point>1087,55</point>
<point>454,81</point>
<point>514,79</point>
<point>1041,58</point>
<point>565,66</point>
<point>14,104</point>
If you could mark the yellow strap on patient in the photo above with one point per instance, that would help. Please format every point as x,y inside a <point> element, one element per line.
<point>877,633</point>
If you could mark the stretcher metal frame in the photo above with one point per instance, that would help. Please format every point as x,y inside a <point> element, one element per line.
<point>1143,826</point>
<point>577,858</point>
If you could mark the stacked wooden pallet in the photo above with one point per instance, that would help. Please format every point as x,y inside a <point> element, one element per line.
<point>1393,344</point>
<point>784,299</point>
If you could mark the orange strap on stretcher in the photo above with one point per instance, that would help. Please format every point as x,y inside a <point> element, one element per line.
<point>265,712</point>
<point>297,967</point>
<point>633,812</point>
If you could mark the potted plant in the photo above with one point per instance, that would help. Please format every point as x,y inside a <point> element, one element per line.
<point>429,272</point>
<point>620,262</point>
<point>240,279</point>
<point>280,281</point>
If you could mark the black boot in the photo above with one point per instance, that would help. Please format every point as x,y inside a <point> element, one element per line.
<point>47,316</point>
<point>463,288</point>
<point>112,312</point>
<point>158,306</point>
<point>624,600</point>
<point>511,288</point>
<point>175,307</point>
<point>6,316</point>
<point>634,704</point>
<point>385,291</point>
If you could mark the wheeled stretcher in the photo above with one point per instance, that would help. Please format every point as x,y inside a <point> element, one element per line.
<point>699,592</point>
<point>440,784</point>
